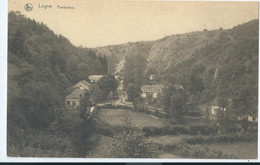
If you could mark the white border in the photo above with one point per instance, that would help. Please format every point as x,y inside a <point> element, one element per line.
<point>3,77</point>
<point>3,112</point>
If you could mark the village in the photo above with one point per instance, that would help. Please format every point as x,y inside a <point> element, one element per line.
<point>73,100</point>
<point>149,117</point>
<point>149,93</point>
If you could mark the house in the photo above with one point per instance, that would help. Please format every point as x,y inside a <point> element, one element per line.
<point>250,118</point>
<point>151,91</point>
<point>77,91</point>
<point>73,99</point>
<point>213,110</point>
<point>95,78</point>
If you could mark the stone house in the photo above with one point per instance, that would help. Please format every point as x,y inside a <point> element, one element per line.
<point>73,99</point>
<point>151,91</point>
<point>78,91</point>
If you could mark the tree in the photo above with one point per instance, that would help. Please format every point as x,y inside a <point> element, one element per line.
<point>98,95</point>
<point>108,84</point>
<point>221,113</point>
<point>132,144</point>
<point>245,104</point>
<point>132,92</point>
<point>174,101</point>
<point>85,105</point>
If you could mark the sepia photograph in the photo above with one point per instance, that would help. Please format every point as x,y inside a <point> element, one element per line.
<point>132,79</point>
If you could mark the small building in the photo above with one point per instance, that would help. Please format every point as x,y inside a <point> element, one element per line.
<point>213,110</point>
<point>250,118</point>
<point>73,99</point>
<point>77,91</point>
<point>95,78</point>
<point>151,91</point>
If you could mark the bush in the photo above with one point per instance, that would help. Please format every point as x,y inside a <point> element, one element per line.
<point>167,130</point>
<point>132,144</point>
<point>174,130</point>
<point>203,129</point>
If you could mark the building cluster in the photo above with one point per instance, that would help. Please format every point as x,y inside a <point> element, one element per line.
<point>78,91</point>
<point>81,88</point>
<point>214,110</point>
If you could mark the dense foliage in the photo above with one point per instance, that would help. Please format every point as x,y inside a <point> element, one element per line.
<point>226,69</point>
<point>132,144</point>
<point>41,67</point>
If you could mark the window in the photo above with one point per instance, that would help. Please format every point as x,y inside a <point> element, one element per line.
<point>73,103</point>
<point>68,102</point>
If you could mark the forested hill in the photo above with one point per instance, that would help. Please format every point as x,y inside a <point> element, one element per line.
<point>41,66</point>
<point>207,63</point>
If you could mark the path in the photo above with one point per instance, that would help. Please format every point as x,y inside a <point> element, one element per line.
<point>130,104</point>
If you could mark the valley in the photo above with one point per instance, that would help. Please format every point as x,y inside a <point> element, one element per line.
<point>191,95</point>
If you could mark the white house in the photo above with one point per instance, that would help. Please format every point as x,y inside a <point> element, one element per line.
<point>151,90</point>
<point>78,91</point>
<point>213,110</point>
<point>73,99</point>
<point>250,118</point>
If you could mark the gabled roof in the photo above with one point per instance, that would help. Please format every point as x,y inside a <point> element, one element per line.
<point>82,84</point>
<point>76,94</point>
<point>95,77</point>
<point>151,88</point>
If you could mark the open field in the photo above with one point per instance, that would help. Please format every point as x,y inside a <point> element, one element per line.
<point>167,139</point>
<point>118,117</point>
<point>242,150</point>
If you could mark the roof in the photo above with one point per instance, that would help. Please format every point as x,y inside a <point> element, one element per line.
<point>82,84</point>
<point>151,88</point>
<point>95,77</point>
<point>76,94</point>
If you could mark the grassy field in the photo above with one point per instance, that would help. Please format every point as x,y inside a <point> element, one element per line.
<point>118,117</point>
<point>242,150</point>
<point>167,139</point>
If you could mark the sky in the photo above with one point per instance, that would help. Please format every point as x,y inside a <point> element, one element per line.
<point>94,23</point>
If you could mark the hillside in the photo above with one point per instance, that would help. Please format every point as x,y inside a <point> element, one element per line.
<point>206,62</point>
<point>161,54</point>
<point>41,67</point>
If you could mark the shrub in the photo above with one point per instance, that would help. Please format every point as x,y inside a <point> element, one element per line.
<point>167,130</point>
<point>132,144</point>
<point>179,129</point>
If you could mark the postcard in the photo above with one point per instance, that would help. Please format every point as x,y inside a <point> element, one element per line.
<point>132,79</point>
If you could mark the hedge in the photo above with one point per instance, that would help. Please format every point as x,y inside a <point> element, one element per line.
<point>174,130</point>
